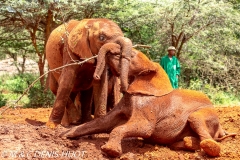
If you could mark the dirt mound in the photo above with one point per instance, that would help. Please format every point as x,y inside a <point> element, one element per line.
<point>23,135</point>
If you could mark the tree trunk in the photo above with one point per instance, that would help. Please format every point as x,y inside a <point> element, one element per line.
<point>42,56</point>
<point>41,64</point>
<point>178,42</point>
<point>23,64</point>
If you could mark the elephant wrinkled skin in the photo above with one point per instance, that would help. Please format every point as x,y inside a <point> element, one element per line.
<point>151,109</point>
<point>72,42</point>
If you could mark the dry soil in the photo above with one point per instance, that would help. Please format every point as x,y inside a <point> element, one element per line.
<point>23,135</point>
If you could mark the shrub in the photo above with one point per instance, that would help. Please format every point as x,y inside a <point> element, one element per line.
<point>3,100</point>
<point>217,95</point>
<point>14,85</point>
<point>39,97</point>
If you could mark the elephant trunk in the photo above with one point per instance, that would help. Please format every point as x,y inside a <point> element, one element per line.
<point>126,45</point>
<point>114,48</point>
<point>101,60</point>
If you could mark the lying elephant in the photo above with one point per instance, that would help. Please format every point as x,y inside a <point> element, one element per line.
<point>151,109</point>
<point>73,42</point>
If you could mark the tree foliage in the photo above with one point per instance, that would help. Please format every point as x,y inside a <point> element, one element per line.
<point>205,33</point>
<point>16,46</point>
<point>39,18</point>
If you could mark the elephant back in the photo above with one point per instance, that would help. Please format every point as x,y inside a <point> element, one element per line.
<point>173,111</point>
<point>55,44</point>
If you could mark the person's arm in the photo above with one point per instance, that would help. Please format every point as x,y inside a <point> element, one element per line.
<point>162,62</point>
<point>178,69</point>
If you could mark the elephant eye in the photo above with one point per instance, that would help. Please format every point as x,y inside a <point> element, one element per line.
<point>102,38</point>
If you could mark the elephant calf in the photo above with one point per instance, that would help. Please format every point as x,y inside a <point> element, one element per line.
<point>76,41</point>
<point>151,109</point>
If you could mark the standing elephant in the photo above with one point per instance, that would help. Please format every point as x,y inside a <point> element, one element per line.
<point>73,42</point>
<point>151,109</point>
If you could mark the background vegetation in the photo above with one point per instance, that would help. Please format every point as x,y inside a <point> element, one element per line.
<point>205,33</point>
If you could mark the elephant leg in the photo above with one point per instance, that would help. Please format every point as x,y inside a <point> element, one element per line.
<point>102,124</point>
<point>116,90</point>
<point>206,124</point>
<point>53,85</point>
<point>136,127</point>
<point>86,104</point>
<point>66,116</point>
<point>100,90</point>
<point>77,102</point>
<point>74,109</point>
<point>63,93</point>
<point>72,112</point>
<point>114,93</point>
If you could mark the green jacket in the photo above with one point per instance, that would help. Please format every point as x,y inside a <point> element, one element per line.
<point>172,68</point>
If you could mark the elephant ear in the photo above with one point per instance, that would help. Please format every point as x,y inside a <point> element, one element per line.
<point>78,39</point>
<point>154,83</point>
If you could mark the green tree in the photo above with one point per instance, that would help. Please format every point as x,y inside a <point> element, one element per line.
<point>205,33</point>
<point>179,21</point>
<point>136,19</point>
<point>16,46</point>
<point>40,17</point>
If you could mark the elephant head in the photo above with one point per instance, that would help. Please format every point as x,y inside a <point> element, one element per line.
<point>111,48</point>
<point>123,60</point>
<point>144,73</point>
<point>86,39</point>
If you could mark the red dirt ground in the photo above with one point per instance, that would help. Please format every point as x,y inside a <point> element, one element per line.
<point>23,135</point>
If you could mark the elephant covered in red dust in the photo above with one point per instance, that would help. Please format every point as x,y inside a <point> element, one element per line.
<point>76,41</point>
<point>153,110</point>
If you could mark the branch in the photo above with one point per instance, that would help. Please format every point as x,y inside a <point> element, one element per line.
<point>178,39</point>
<point>199,30</point>
<point>141,45</point>
<point>55,69</point>
<point>173,43</point>
<point>180,47</point>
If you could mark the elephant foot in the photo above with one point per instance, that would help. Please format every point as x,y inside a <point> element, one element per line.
<point>191,143</point>
<point>211,147</point>
<point>67,134</point>
<point>51,124</point>
<point>65,122</point>
<point>71,133</point>
<point>112,150</point>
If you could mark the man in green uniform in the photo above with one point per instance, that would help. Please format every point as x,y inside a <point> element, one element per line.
<point>171,65</point>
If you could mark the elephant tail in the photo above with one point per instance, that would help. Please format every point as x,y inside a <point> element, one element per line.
<point>225,136</point>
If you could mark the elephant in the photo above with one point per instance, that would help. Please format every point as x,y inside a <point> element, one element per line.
<point>150,108</point>
<point>76,41</point>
